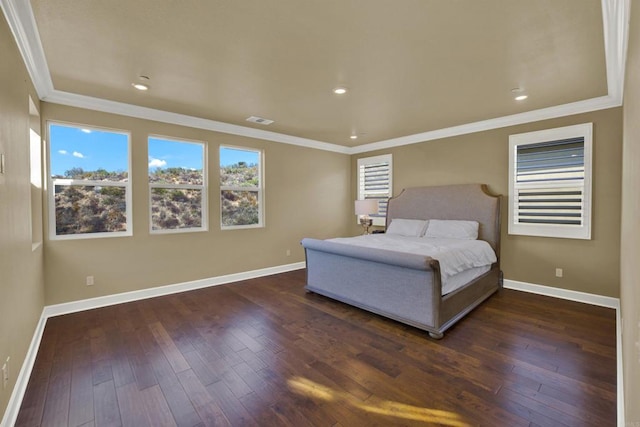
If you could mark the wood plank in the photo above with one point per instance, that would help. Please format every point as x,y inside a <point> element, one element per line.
<point>207,409</point>
<point>181,407</point>
<point>140,365</point>
<point>81,393</point>
<point>171,352</point>
<point>131,406</point>
<point>264,352</point>
<point>105,403</point>
<point>156,407</point>
<point>56,408</point>
<point>230,404</point>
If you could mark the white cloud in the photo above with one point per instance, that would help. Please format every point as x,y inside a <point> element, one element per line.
<point>156,163</point>
<point>86,130</point>
<point>63,152</point>
<point>78,155</point>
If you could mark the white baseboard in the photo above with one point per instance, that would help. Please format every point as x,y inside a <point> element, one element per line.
<point>11,414</point>
<point>22,380</point>
<point>87,304</point>
<point>592,299</point>
<point>577,296</point>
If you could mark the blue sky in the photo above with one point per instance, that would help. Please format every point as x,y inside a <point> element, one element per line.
<point>174,154</point>
<point>92,149</point>
<point>87,149</point>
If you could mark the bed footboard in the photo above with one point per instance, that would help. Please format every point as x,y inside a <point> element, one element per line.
<point>402,287</point>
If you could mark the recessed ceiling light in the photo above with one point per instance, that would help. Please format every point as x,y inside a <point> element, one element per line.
<point>140,86</point>
<point>340,90</point>
<point>521,97</point>
<point>354,137</point>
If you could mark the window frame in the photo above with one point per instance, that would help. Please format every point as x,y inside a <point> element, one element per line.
<point>259,189</point>
<point>52,183</point>
<point>35,170</point>
<point>364,161</point>
<point>203,188</point>
<point>583,231</point>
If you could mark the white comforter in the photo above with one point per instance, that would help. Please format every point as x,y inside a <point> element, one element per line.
<point>454,255</point>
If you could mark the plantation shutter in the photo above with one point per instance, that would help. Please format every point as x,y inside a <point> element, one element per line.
<point>550,182</point>
<point>374,182</point>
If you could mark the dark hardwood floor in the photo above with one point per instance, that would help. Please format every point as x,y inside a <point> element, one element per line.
<point>263,352</point>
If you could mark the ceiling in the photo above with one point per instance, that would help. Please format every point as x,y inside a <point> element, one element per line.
<point>414,69</point>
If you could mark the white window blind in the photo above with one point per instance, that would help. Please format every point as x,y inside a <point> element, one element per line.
<point>375,182</point>
<point>550,184</point>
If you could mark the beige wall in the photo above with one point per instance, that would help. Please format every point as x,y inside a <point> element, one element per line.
<point>21,282</point>
<point>307,194</point>
<point>630,247</point>
<point>589,265</point>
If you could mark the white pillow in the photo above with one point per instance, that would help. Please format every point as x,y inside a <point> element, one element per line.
<point>452,229</point>
<point>407,227</point>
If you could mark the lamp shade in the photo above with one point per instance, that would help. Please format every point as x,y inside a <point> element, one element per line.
<point>366,207</point>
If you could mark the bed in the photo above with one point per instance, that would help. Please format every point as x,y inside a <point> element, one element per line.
<point>404,284</point>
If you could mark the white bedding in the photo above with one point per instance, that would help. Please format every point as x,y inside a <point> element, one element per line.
<point>456,256</point>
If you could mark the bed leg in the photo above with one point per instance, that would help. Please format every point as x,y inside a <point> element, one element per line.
<point>436,335</point>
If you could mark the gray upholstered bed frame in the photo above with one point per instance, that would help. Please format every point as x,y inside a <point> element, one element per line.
<point>407,287</point>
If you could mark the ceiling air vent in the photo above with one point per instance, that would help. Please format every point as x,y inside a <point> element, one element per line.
<point>259,120</point>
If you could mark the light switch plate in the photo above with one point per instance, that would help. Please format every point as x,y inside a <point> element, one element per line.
<point>1,163</point>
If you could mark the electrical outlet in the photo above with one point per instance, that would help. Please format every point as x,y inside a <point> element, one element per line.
<point>559,272</point>
<point>288,252</point>
<point>5,373</point>
<point>90,281</point>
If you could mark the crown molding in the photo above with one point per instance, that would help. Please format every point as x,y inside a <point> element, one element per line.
<point>615,22</point>
<point>615,18</point>
<point>579,107</point>
<point>106,106</point>
<point>20,18</point>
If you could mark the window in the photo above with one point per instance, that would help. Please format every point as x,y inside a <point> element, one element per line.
<point>177,185</point>
<point>241,188</point>
<point>550,182</point>
<point>89,188</point>
<point>374,182</point>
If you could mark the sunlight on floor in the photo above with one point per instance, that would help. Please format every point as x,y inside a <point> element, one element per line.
<point>311,389</point>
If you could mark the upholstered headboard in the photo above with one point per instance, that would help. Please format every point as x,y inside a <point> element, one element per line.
<point>471,202</point>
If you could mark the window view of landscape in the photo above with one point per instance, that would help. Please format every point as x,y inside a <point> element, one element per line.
<point>90,209</point>
<point>91,188</point>
<point>89,172</point>
<point>239,187</point>
<point>176,184</point>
